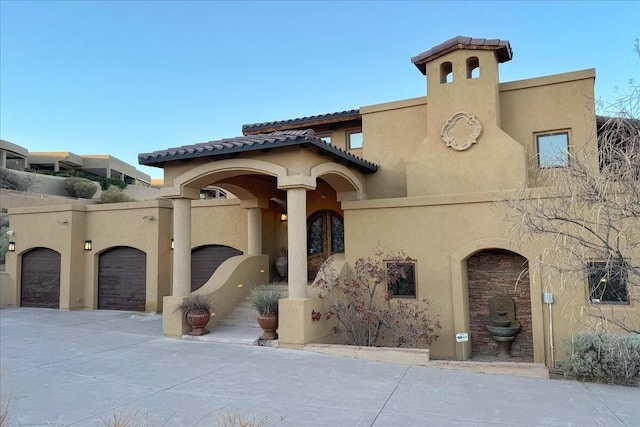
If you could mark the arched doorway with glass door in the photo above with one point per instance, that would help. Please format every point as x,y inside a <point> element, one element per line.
<point>325,237</point>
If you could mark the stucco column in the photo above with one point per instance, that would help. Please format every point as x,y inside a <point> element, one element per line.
<point>297,224</point>
<point>181,247</point>
<point>254,231</point>
<point>3,159</point>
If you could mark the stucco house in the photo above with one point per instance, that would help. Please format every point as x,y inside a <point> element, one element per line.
<point>416,175</point>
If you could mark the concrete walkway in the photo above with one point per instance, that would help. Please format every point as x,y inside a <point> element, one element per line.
<point>80,368</point>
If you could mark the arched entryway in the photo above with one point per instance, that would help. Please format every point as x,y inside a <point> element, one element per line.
<point>40,284</point>
<point>205,260</point>
<point>325,237</point>
<point>494,272</point>
<point>122,279</point>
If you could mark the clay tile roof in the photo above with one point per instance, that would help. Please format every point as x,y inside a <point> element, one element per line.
<point>502,49</point>
<point>302,121</point>
<point>229,147</point>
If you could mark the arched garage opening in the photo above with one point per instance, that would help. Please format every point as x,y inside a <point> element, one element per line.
<point>40,285</point>
<point>122,279</point>
<point>493,272</point>
<point>205,260</point>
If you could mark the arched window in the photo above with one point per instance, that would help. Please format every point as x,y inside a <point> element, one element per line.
<point>473,67</point>
<point>446,72</point>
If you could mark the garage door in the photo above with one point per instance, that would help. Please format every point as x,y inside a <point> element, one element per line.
<point>40,286</point>
<point>205,260</point>
<point>122,274</point>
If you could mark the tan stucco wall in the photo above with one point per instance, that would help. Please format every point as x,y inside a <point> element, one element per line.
<point>441,231</point>
<point>551,103</point>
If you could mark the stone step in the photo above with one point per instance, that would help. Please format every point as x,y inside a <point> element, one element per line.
<point>244,315</point>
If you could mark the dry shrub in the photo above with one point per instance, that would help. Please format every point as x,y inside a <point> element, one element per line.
<point>115,195</point>
<point>366,311</point>
<point>604,358</point>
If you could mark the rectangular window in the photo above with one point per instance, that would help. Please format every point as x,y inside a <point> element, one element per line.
<point>325,138</point>
<point>553,150</point>
<point>401,279</point>
<point>355,140</point>
<point>607,283</point>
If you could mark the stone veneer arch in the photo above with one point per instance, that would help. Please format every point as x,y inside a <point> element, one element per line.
<point>460,292</point>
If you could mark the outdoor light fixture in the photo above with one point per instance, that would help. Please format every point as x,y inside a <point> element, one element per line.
<point>12,246</point>
<point>149,217</point>
<point>87,245</point>
<point>283,217</point>
<point>171,244</point>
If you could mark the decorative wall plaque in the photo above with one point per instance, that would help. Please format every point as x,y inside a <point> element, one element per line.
<point>461,131</point>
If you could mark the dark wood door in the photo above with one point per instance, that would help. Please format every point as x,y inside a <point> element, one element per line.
<point>205,260</point>
<point>122,279</point>
<point>325,237</point>
<point>40,285</point>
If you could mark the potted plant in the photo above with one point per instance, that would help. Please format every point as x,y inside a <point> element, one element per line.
<point>197,311</point>
<point>265,301</point>
<point>282,263</point>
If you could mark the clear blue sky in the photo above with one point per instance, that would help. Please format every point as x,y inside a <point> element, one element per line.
<point>125,77</point>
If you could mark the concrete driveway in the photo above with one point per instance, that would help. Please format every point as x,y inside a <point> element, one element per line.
<point>80,368</point>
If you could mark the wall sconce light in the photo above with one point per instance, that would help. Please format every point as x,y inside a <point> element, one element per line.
<point>12,247</point>
<point>283,217</point>
<point>171,244</point>
<point>149,217</point>
<point>87,245</point>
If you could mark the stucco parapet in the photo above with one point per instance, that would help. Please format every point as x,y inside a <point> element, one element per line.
<point>130,205</point>
<point>48,209</point>
<point>589,73</point>
<point>394,105</point>
<point>404,202</point>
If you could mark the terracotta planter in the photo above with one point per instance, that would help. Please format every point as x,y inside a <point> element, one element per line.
<point>269,324</point>
<point>198,319</point>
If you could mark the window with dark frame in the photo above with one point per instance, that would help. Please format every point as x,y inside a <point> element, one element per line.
<point>401,279</point>
<point>355,140</point>
<point>553,150</point>
<point>607,283</point>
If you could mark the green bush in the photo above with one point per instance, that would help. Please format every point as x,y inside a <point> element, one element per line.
<point>80,187</point>
<point>105,183</point>
<point>604,358</point>
<point>115,195</point>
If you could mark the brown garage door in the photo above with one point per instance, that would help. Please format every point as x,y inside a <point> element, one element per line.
<point>40,286</point>
<point>122,274</point>
<point>205,260</point>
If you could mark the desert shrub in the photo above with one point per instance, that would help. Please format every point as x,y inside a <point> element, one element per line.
<point>13,181</point>
<point>604,358</point>
<point>80,187</point>
<point>365,309</point>
<point>115,194</point>
<point>102,181</point>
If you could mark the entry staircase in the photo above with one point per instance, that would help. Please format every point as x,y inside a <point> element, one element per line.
<point>240,326</point>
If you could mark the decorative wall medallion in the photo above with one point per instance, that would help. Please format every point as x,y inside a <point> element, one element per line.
<point>461,131</point>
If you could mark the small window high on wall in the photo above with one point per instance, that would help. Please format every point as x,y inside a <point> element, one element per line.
<point>553,150</point>
<point>446,72</point>
<point>473,67</point>
<point>355,139</point>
